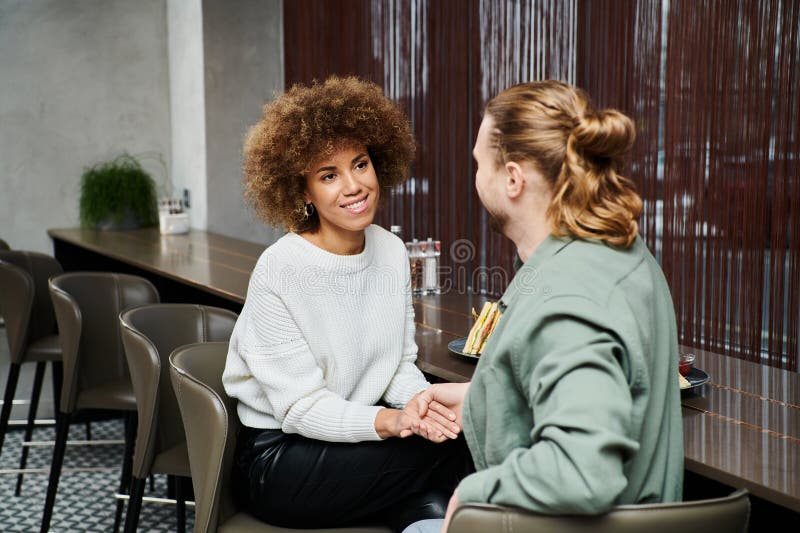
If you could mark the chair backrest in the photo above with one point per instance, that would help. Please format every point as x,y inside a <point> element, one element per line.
<point>24,299</point>
<point>150,333</point>
<point>209,416</point>
<point>721,515</point>
<point>87,307</point>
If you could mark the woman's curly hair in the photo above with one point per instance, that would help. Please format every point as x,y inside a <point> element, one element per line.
<point>309,122</point>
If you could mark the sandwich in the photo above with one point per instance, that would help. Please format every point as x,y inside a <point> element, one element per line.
<point>484,325</point>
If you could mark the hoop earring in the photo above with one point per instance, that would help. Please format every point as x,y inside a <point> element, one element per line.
<point>309,210</point>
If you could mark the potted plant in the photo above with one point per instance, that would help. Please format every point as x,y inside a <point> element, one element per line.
<point>118,195</point>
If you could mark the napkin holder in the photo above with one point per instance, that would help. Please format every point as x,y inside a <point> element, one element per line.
<point>173,224</point>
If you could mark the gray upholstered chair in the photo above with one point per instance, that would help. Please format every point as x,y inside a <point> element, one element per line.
<point>31,333</point>
<point>87,307</point>
<point>721,515</point>
<point>211,423</point>
<point>150,333</point>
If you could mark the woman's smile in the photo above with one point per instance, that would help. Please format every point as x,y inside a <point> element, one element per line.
<point>357,207</point>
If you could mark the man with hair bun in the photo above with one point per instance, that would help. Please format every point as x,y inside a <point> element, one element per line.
<point>574,406</point>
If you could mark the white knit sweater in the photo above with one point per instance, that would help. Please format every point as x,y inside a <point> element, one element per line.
<point>323,337</point>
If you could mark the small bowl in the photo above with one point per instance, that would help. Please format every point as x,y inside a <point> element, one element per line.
<point>685,363</point>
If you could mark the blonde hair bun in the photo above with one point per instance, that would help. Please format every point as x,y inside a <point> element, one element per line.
<point>578,150</point>
<point>607,133</point>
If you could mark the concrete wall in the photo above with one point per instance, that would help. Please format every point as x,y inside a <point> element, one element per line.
<point>80,82</point>
<point>187,105</point>
<point>243,45</point>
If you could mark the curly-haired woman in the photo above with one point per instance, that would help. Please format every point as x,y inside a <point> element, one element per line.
<point>322,356</point>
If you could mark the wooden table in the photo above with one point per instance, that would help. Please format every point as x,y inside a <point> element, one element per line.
<point>741,429</point>
<point>199,266</point>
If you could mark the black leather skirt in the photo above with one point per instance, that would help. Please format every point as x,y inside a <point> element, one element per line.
<point>292,481</point>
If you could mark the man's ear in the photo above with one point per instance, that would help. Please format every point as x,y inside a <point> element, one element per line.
<point>515,182</point>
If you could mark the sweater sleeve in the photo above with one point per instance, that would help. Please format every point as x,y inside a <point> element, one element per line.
<point>280,360</point>
<point>575,386</point>
<point>408,379</point>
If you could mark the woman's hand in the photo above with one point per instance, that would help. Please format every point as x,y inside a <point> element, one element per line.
<point>404,423</point>
<point>396,423</point>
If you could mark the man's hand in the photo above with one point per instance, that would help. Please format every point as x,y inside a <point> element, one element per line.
<point>446,399</point>
<point>439,410</point>
<point>434,414</point>
<point>438,423</point>
<point>451,508</point>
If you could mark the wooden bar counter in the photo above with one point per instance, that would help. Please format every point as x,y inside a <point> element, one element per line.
<point>741,429</point>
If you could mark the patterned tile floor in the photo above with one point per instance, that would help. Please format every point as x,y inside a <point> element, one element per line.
<point>85,500</point>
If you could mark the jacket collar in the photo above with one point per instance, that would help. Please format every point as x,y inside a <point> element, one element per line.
<point>527,274</point>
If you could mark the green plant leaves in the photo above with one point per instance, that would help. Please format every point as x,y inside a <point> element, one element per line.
<point>116,188</point>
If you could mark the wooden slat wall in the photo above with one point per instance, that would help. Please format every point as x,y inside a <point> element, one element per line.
<point>719,106</point>
<point>727,74</point>
<point>721,212</point>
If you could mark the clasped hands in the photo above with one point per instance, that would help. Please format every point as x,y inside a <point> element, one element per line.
<point>434,414</point>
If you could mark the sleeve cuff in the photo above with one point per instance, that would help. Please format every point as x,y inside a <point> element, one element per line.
<point>476,488</point>
<point>363,427</point>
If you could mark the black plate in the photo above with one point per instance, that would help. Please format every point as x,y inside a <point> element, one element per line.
<point>457,345</point>
<point>696,378</point>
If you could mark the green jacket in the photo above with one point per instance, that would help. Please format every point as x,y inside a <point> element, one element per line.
<point>575,404</point>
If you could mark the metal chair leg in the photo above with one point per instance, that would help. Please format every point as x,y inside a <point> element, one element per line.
<point>8,400</point>
<point>134,505</point>
<point>58,377</point>
<point>127,465</point>
<point>62,432</point>
<point>180,503</point>
<point>38,377</point>
<point>170,486</point>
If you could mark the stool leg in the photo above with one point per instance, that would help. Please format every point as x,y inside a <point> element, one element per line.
<point>180,505</point>
<point>134,505</point>
<point>38,377</point>
<point>62,433</point>
<point>127,465</point>
<point>8,400</point>
<point>88,430</point>
<point>152,483</point>
<point>58,377</point>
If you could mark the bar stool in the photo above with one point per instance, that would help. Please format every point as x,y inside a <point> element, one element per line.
<point>211,423</point>
<point>149,334</point>
<point>31,334</point>
<point>87,307</point>
<point>729,514</point>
